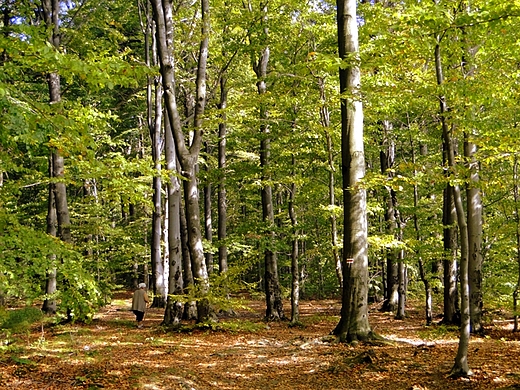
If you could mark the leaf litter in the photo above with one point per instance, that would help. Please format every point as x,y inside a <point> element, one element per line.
<point>111,353</point>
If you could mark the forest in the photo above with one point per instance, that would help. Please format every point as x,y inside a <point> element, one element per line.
<point>347,170</point>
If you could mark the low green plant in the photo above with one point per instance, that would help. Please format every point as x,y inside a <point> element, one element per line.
<point>19,320</point>
<point>223,326</point>
<point>438,332</point>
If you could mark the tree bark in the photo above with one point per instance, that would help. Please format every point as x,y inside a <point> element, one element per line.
<point>208,222</point>
<point>387,159</point>
<point>450,264</point>
<point>158,271</point>
<point>422,272</point>
<point>474,207</point>
<point>222,202</point>
<point>174,307</point>
<point>273,296</point>
<point>58,198</point>
<point>295,272</point>
<point>473,204</point>
<point>325,122</point>
<point>49,304</point>
<point>187,156</point>
<point>460,367</point>
<point>353,324</point>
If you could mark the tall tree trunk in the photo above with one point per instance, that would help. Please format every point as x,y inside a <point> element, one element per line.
<point>49,304</point>
<point>187,156</point>
<point>155,126</point>
<point>353,324</point>
<point>473,201</point>
<point>387,159</point>
<point>402,283</point>
<point>190,307</point>
<point>325,122</point>
<point>460,367</point>
<point>450,264</point>
<point>222,202</point>
<point>474,207</point>
<point>295,272</point>
<point>273,296</point>
<point>158,272</point>
<point>208,223</point>
<point>422,272</point>
<point>57,163</point>
<point>174,307</point>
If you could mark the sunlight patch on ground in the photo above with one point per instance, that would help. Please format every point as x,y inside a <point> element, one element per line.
<point>417,341</point>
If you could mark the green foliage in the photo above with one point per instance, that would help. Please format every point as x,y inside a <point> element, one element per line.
<point>227,326</point>
<point>20,320</point>
<point>100,128</point>
<point>436,332</point>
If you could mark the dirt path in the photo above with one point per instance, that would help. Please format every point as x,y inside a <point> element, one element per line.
<point>111,353</point>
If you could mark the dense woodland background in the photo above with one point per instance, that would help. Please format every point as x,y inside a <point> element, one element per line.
<point>230,179</point>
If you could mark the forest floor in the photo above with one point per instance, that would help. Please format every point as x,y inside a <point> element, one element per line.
<point>111,353</point>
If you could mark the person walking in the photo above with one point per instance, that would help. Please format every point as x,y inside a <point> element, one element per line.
<point>139,302</point>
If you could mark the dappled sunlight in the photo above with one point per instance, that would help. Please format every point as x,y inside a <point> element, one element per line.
<point>111,351</point>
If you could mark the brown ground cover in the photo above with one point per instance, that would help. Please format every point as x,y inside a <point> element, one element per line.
<point>110,353</point>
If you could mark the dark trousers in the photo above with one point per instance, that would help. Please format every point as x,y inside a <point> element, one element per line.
<point>139,315</point>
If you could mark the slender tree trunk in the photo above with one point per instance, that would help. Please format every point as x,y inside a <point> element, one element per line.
<point>208,222</point>
<point>58,198</point>
<point>402,283</point>
<point>158,272</point>
<point>353,324</point>
<point>422,272</point>
<point>222,202</point>
<point>49,304</point>
<point>325,122</point>
<point>387,159</point>
<point>174,307</point>
<point>450,264</point>
<point>190,308</point>
<point>274,306</point>
<point>295,272</point>
<point>460,367</point>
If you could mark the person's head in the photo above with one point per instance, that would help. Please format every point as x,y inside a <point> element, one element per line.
<point>142,285</point>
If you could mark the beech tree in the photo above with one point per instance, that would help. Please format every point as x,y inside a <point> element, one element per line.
<point>58,211</point>
<point>188,155</point>
<point>353,324</point>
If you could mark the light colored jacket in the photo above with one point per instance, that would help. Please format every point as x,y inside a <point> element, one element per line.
<point>139,300</point>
